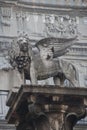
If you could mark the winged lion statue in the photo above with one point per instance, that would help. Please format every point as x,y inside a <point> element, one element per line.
<point>46,62</point>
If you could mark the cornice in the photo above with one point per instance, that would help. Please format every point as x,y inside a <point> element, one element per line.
<point>44,4</point>
<point>47,8</point>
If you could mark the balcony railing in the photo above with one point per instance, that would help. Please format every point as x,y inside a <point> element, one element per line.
<point>3,107</point>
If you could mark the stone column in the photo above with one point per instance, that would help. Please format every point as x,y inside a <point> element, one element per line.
<point>58,117</point>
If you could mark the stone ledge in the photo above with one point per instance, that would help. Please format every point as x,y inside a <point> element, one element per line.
<point>47,95</point>
<point>5,126</point>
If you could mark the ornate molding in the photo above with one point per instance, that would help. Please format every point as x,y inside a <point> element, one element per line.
<point>60,26</point>
<point>6,16</point>
<point>21,18</point>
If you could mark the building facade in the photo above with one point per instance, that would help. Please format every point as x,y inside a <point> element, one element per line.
<point>41,19</point>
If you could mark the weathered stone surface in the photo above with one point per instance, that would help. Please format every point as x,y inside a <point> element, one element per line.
<point>47,107</point>
<point>32,14</point>
<point>12,93</point>
<point>8,76</point>
<point>23,19</point>
<point>43,65</point>
<point>5,126</point>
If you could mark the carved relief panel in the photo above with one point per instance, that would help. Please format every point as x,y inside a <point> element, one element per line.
<point>21,21</point>
<point>30,23</point>
<point>60,26</point>
<point>46,25</point>
<point>5,19</point>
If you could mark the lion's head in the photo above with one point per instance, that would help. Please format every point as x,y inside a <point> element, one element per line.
<point>23,43</point>
<point>19,56</point>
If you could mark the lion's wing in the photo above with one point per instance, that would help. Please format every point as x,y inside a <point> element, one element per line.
<point>60,45</point>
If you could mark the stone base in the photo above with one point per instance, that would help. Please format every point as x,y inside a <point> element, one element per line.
<point>5,126</point>
<point>47,107</point>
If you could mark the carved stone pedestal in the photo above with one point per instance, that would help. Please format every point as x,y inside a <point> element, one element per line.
<point>46,107</point>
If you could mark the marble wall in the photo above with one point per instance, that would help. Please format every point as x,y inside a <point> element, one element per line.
<point>38,19</point>
<point>18,18</point>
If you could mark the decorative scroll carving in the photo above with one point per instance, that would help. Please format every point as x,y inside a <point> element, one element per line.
<point>60,26</point>
<point>21,21</point>
<point>73,116</point>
